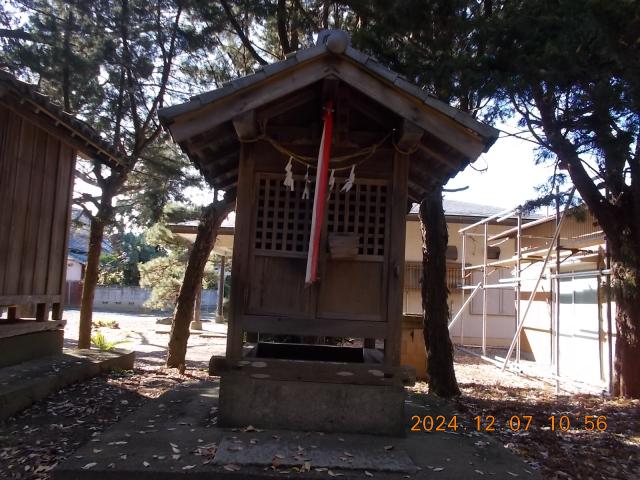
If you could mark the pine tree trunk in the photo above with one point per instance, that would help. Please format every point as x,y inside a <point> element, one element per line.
<point>440,372</point>
<point>626,294</point>
<point>96,235</point>
<point>210,221</point>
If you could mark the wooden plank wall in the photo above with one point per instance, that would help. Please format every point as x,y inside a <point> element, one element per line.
<point>36,182</point>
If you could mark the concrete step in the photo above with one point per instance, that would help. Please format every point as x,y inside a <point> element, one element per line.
<point>25,383</point>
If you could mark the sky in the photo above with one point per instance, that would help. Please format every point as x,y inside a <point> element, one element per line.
<point>510,177</point>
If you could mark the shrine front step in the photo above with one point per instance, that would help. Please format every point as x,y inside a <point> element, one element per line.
<point>311,406</point>
<point>25,383</point>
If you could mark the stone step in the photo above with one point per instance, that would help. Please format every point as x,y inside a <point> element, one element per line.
<point>25,383</point>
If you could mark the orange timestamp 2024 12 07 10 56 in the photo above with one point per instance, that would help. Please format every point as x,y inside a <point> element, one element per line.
<point>515,423</point>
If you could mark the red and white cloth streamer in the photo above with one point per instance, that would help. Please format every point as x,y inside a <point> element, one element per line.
<point>320,197</point>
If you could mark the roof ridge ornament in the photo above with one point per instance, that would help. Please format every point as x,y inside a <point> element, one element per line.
<point>337,41</point>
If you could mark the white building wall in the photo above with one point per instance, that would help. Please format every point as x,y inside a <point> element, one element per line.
<point>501,325</point>
<point>74,270</point>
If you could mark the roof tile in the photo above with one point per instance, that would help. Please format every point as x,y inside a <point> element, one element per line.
<point>381,70</point>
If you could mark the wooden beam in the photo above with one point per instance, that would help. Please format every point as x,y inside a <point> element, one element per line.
<point>29,326</point>
<point>307,326</point>
<point>372,108</point>
<point>292,136</point>
<point>330,90</point>
<point>273,88</point>
<point>228,180</point>
<point>431,120</point>
<point>316,371</point>
<point>438,157</point>
<point>214,140</point>
<point>409,136</point>
<point>280,106</point>
<point>246,126</point>
<point>24,299</point>
<point>220,162</point>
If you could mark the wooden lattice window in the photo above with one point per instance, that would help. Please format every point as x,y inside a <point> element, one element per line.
<point>283,220</point>
<point>361,211</point>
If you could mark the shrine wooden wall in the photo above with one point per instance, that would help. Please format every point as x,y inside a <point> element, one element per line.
<point>356,293</point>
<point>36,183</point>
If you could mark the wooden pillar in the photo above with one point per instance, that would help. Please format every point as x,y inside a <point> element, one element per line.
<point>196,324</point>
<point>42,312</point>
<point>369,343</point>
<point>57,310</point>
<point>241,251</point>
<point>396,258</point>
<point>219,308</point>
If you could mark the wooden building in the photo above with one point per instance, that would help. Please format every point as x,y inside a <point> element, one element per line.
<point>258,138</point>
<point>38,147</point>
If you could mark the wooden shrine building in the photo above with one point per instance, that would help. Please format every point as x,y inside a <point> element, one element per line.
<point>38,147</point>
<point>260,138</point>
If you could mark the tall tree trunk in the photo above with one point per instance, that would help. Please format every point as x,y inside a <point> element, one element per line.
<point>626,286</point>
<point>281,24</point>
<point>440,373</point>
<point>110,186</point>
<point>210,220</point>
<point>96,234</point>
<point>66,63</point>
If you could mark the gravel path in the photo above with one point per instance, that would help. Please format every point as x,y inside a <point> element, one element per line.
<point>140,332</point>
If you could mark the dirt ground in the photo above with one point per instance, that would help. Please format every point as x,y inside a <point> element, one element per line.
<point>33,442</point>
<point>602,440</point>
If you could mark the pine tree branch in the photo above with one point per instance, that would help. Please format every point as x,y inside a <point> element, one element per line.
<point>18,34</point>
<point>168,57</point>
<point>86,178</point>
<point>127,63</point>
<point>569,159</point>
<point>86,198</point>
<point>238,30</point>
<point>312,21</point>
<point>97,171</point>
<point>281,23</point>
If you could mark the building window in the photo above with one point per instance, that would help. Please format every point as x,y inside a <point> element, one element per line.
<point>413,276</point>
<point>499,301</point>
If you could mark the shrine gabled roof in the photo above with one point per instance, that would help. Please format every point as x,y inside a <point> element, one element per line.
<point>168,114</point>
<point>60,123</point>
<point>205,126</point>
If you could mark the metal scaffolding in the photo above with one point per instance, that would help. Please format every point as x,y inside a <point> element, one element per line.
<point>553,250</point>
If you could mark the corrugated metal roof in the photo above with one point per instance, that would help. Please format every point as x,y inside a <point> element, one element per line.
<point>466,209</point>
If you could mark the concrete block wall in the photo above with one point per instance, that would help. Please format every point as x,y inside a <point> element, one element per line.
<point>132,299</point>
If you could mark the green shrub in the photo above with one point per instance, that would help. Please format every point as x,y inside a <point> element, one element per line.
<point>104,345</point>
